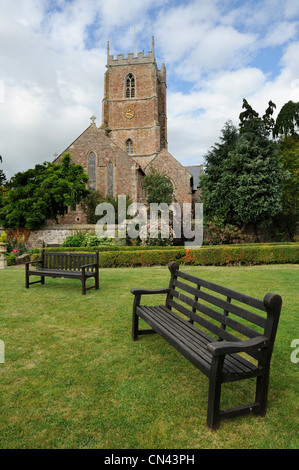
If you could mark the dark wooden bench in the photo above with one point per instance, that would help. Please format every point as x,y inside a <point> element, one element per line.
<point>67,265</point>
<point>227,335</point>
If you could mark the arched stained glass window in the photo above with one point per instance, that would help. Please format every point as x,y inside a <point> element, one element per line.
<point>92,171</point>
<point>110,171</point>
<point>129,147</point>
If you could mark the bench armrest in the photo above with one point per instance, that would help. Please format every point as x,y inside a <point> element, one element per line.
<point>220,348</point>
<point>32,262</point>
<point>87,265</point>
<point>149,291</point>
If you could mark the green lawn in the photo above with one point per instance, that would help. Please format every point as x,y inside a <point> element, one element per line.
<point>72,377</point>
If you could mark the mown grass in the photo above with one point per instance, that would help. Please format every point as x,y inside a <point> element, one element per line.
<point>72,377</point>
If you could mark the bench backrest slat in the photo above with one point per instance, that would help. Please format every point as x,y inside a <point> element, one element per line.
<point>219,317</point>
<point>225,304</point>
<point>219,310</point>
<point>68,261</point>
<point>253,302</point>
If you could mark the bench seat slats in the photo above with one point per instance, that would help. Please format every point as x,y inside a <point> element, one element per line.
<point>169,330</point>
<point>217,330</point>
<point>62,272</point>
<point>238,362</point>
<point>191,343</point>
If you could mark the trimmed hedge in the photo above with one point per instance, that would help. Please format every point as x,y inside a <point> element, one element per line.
<point>88,249</point>
<point>220,255</point>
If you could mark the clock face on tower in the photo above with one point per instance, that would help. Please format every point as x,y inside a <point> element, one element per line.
<point>129,113</point>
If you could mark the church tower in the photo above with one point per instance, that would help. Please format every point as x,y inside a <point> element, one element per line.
<point>132,138</point>
<point>134,104</point>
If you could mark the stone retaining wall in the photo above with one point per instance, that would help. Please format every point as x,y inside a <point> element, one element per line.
<point>55,234</point>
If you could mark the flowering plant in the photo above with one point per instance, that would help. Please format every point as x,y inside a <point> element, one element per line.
<point>15,250</point>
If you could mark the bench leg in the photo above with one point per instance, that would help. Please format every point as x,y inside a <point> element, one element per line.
<point>27,276</point>
<point>97,280</point>
<point>135,319</point>
<point>83,281</point>
<point>213,414</point>
<point>261,395</point>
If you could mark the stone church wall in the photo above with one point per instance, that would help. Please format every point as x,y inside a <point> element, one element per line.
<point>178,175</point>
<point>115,172</point>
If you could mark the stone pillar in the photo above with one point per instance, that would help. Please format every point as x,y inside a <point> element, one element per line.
<point>3,260</point>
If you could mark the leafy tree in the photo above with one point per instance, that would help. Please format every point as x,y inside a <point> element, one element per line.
<point>3,182</point>
<point>287,121</point>
<point>268,119</point>
<point>218,185</point>
<point>248,185</point>
<point>3,179</point>
<point>158,187</point>
<point>261,174</point>
<point>288,219</point>
<point>42,193</point>
<point>287,130</point>
<point>90,202</point>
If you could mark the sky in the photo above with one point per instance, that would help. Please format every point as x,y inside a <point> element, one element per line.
<point>53,56</point>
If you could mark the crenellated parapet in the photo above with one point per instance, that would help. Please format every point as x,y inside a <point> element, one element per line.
<point>131,58</point>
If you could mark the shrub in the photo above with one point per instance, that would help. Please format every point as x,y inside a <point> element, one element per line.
<point>16,246</point>
<point>217,255</point>
<point>92,240</point>
<point>219,234</point>
<point>103,248</point>
<point>74,240</point>
<point>3,237</point>
<point>88,240</point>
<point>221,255</point>
<point>34,251</point>
<point>90,202</point>
<point>154,237</point>
<point>115,259</point>
<point>35,256</point>
<point>11,259</point>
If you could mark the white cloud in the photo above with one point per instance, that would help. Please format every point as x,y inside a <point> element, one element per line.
<point>200,115</point>
<point>280,33</point>
<point>53,56</point>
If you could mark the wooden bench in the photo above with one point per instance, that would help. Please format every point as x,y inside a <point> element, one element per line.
<point>227,335</point>
<point>69,265</point>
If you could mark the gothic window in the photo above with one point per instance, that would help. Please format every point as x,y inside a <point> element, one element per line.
<point>92,171</point>
<point>130,86</point>
<point>129,147</point>
<point>110,170</point>
<point>170,182</point>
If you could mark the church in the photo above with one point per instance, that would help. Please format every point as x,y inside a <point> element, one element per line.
<point>132,137</point>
